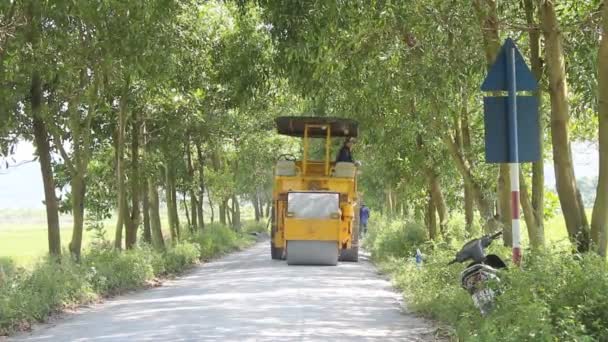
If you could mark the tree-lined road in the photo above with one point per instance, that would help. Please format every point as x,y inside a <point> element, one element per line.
<point>248,297</point>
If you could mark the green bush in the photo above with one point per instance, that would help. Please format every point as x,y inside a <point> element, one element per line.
<point>7,268</point>
<point>565,294</point>
<point>456,231</point>
<point>181,257</point>
<point>556,296</point>
<point>255,227</point>
<point>158,262</point>
<point>394,239</point>
<point>217,239</point>
<point>114,271</point>
<point>28,296</point>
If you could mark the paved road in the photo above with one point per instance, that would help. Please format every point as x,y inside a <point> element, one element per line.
<point>247,297</point>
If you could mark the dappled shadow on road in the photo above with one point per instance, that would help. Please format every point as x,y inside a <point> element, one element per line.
<point>248,297</point>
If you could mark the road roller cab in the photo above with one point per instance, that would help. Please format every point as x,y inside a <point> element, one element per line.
<point>315,213</point>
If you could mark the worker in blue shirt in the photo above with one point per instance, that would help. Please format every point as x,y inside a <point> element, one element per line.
<point>363,218</point>
<point>345,154</point>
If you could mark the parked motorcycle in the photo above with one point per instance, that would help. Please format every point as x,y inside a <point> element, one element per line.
<point>480,272</point>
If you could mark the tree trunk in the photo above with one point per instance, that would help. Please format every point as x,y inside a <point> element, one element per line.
<point>194,208</point>
<point>151,201</point>
<point>236,208</point>
<point>389,200</point>
<point>194,211</point>
<point>211,208</point>
<point>260,201</point>
<point>169,202</point>
<point>469,214</point>
<point>78,193</point>
<point>599,221</point>
<point>228,211</point>
<point>264,204</point>
<point>193,200</point>
<point>256,206</point>
<point>185,205</point>
<point>538,173</point>
<point>483,204</point>
<point>487,14</point>
<point>120,169</point>
<point>458,130</point>
<point>171,195</point>
<point>133,222</point>
<point>439,202</point>
<point>431,219</point>
<point>469,205</point>
<point>156,229</point>
<point>146,210</point>
<point>77,164</point>
<point>576,220</point>
<point>223,213</point>
<point>199,212</point>
<point>175,208</point>
<point>120,221</point>
<point>535,234</point>
<point>236,213</point>
<point>268,205</point>
<point>201,201</point>
<point>43,149</point>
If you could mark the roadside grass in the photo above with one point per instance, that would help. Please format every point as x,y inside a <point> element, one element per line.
<point>555,296</point>
<point>27,243</point>
<point>23,233</point>
<point>256,227</point>
<point>556,234</point>
<point>32,294</point>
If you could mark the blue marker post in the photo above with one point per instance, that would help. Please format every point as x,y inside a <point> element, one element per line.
<point>513,155</point>
<point>511,123</point>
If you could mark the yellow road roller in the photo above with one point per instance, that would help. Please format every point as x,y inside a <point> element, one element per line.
<point>315,213</point>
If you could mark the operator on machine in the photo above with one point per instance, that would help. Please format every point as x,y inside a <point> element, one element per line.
<point>345,153</point>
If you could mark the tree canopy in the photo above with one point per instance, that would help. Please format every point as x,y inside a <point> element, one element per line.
<point>127,101</point>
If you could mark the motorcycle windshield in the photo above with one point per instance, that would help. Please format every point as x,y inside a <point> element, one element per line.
<point>494,261</point>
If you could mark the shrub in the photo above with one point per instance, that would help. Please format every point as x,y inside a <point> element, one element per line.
<point>255,227</point>
<point>396,239</point>
<point>113,271</point>
<point>556,296</point>
<point>183,255</point>
<point>217,239</point>
<point>31,295</point>
<point>7,268</point>
<point>565,294</point>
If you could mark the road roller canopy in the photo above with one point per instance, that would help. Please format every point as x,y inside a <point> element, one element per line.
<point>316,127</point>
<point>309,127</point>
